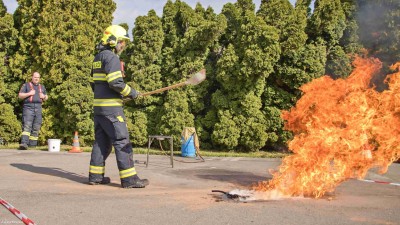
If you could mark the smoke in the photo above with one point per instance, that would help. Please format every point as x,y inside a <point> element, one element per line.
<point>379,28</point>
<point>379,24</point>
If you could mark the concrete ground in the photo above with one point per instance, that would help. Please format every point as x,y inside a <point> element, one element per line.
<point>51,189</point>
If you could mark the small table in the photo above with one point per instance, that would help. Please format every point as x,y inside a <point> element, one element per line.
<point>161,138</point>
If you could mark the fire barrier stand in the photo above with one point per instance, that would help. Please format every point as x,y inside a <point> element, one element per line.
<point>161,138</point>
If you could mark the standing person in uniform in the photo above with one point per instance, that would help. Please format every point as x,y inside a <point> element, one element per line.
<point>33,94</point>
<point>109,119</point>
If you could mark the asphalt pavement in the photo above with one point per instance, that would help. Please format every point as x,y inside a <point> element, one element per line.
<point>50,188</point>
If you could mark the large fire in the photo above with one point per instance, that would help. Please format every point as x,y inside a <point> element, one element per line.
<point>342,129</point>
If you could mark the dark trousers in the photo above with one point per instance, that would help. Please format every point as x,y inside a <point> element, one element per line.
<point>111,131</point>
<point>31,123</point>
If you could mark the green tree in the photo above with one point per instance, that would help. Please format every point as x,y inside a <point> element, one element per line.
<point>3,9</point>
<point>144,72</point>
<point>327,25</point>
<point>299,63</point>
<point>188,37</point>
<point>350,40</point>
<point>66,53</point>
<point>305,5</point>
<point>379,31</point>
<point>206,117</point>
<point>301,59</point>
<point>251,47</point>
<point>57,39</point>
<point>20,52</point>
<point>170,37</point>
<point>10,127</point>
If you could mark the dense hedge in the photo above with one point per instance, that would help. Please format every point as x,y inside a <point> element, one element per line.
<point>256,61</point>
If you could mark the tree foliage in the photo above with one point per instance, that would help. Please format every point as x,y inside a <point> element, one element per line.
<point>327,25</point>
<point>144,72</point>
<point>379,23</point>
<point>9,125</point>
<point>251,49</point>
<point>256,62</point>
<point>56,38</point>
<point>189,35</point>
<point>299,63</point>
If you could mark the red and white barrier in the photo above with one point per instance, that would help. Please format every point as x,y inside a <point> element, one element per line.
<point>17,213</point>
<point>380,182</point>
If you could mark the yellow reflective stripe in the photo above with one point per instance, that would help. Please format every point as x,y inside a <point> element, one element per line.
<point>107,102</point>
<point>96,65</point>
<point>127,173</point>
<point>99,76</point>
<point>33,138</point>
<point>120,119</point>
<point>126,91</point>
<point>112,76</point>
<point>97,169</point>
<point>26,133</point>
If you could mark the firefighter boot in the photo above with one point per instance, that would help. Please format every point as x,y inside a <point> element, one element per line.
<point>135,182</point>
<point>23,147</point>
<point>105,180</point>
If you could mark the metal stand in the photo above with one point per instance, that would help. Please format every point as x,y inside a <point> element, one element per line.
<point>161,138</point>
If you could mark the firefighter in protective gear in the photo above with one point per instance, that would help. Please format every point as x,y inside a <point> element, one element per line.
<point>109,119</point>
<point>33,94</point>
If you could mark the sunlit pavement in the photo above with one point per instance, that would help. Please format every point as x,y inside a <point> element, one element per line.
<point>51,188</point>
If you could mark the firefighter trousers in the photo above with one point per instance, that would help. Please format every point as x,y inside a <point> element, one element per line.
<point>31,123</point>
<point>111,131</point>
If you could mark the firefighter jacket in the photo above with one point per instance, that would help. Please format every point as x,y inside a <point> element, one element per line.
<point>35,99</point>
<point>109,87</point>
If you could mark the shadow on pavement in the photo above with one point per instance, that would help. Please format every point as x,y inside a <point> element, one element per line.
<point>234,177</point>
<point>57,172</point>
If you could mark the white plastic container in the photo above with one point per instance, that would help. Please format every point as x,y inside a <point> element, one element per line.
<point>54,145</point>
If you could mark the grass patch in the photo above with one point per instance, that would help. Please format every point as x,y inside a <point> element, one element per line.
<point>153,151</point>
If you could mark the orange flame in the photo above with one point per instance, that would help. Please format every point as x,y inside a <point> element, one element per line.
<point>342,129</point>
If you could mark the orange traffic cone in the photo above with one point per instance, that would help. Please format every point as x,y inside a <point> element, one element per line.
<point>75,145</point>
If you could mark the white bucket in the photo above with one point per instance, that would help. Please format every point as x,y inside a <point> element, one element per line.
<point>54,145</point>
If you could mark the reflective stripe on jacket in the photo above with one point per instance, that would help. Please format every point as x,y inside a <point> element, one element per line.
<point>109,86</point>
